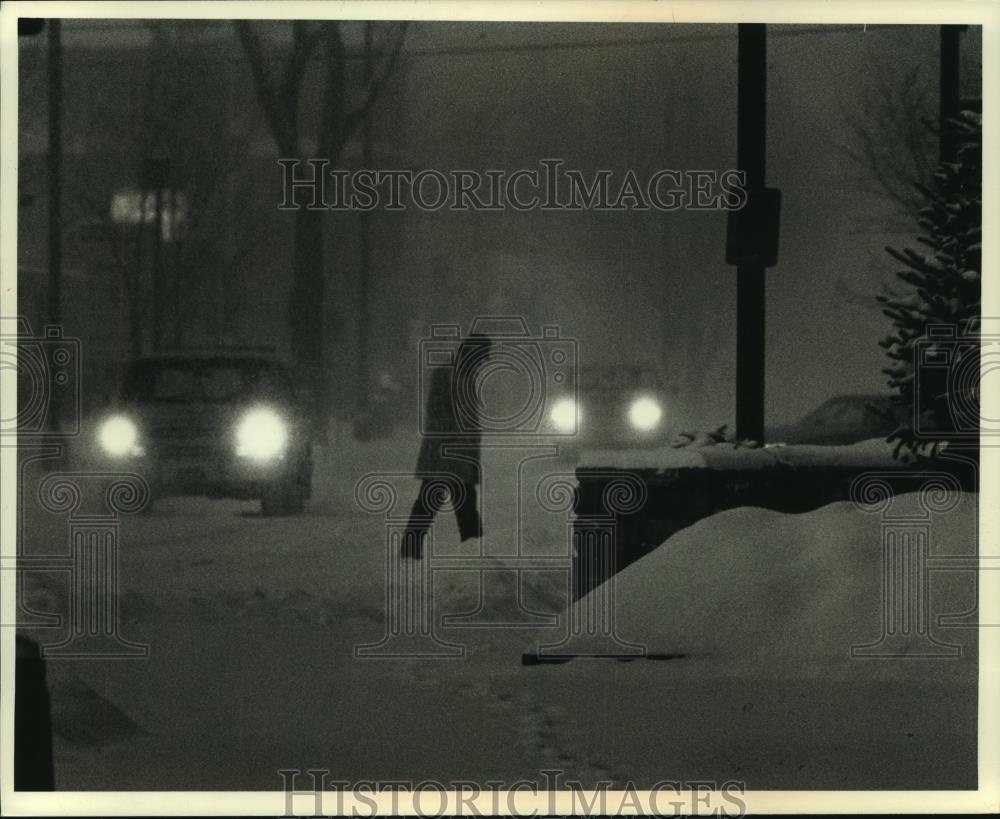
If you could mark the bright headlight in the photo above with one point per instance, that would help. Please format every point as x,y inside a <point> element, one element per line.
<point>119,437</point>
<point>644,414</point>
<point>261,435</point>
<point>564,415</point>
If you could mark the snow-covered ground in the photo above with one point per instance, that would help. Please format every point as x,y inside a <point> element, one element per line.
<point>252,625</point>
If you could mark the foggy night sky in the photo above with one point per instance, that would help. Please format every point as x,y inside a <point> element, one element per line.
<point>651,287</point>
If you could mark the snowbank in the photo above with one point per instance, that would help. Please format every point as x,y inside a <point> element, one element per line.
<point>760,592</point>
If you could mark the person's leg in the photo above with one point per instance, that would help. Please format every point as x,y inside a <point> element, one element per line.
<point>470,524</point>
<point>425,507</point>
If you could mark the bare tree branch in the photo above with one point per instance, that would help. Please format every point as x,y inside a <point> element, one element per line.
<point>267,94</point>
<point>332,136</point>
<point>304,40</point>
<point>893,145</point>
<point>355,117</point>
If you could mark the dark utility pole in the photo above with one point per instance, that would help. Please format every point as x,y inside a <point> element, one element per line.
<point>55,195</point>
<point>751,124</point>
<point>949,88</point>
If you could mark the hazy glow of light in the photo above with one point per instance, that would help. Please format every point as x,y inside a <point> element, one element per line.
<point>645,414</point>
<point>132,207</point>
<point>119,437</point>
<point>261,435</point>
<point>564,415</point>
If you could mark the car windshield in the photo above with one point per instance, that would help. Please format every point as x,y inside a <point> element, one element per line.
<point>212,382</point>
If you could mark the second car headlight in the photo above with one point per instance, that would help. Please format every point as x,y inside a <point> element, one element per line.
<point>644,414</point>
<point>565,415</point>
<point>261,435</point>
<point>119,437</point>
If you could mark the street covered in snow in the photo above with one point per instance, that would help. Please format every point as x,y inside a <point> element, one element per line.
<point>747,619</point>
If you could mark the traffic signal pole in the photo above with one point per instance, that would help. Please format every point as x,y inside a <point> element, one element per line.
<point>751,125</point>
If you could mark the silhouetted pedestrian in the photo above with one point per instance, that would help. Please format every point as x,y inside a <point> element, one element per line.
<point>449,461</point>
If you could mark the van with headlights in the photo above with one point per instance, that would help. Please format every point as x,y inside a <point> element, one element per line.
<point>225,423</point>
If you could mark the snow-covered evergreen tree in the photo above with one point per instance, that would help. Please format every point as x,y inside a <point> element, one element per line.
<point>942,290</point>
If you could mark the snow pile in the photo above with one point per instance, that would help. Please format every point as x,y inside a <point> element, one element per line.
<point>772,594</point>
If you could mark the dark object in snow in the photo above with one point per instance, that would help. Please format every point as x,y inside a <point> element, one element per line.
<point>33,768</point>
<point>534,658</point>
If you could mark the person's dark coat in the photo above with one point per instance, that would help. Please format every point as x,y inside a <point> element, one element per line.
<point>451,425</point>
